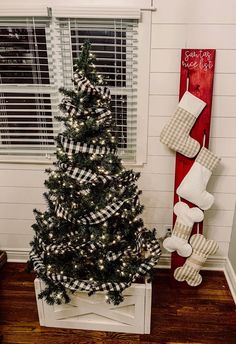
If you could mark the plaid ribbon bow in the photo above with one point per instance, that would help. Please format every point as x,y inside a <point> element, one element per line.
<point>71,147</point>
<point>92,218</point>
<point>98,113</point>
<point>86,176</point>
<point>85,86</point>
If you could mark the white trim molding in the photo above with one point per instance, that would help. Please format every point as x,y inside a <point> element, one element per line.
<point>231,278</point>
<point>24,12</point>
<point>97,12</point>
<point>17,255</point>
<point>213,263</point>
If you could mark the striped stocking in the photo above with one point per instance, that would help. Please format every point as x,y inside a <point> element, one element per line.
<point>189,272</point>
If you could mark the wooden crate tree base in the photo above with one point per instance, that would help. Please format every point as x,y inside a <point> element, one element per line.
<point>133,315</point>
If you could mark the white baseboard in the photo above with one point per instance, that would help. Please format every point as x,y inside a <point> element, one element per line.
<point>215,263</point>
<point>212,263</point>
<point>230,277</point>
<point>17,255</point>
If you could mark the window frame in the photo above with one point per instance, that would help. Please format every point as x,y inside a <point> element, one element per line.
<point>144,52</point>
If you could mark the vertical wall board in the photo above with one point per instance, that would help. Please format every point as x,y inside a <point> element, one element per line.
<point>196,76</point>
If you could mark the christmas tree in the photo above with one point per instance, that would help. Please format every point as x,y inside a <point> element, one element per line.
<point>91,236</point>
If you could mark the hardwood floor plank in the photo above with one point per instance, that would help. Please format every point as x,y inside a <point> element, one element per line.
<point>180,314</point>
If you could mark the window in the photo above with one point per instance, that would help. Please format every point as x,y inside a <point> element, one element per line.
<point>26,93</point>
<point>36,58</point>
<point>24,54</point>
<point>114,42</point>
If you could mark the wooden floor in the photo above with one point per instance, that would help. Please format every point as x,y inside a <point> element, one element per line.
<point>180,314</point>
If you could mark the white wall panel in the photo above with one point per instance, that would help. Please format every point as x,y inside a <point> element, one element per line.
<point>19,211</point>
<point>169,36</point>
<point>223,127</point>
<point>224,106</point>
<point>192,11</point>
<point>155,147</point>
<point>218,233</point>
<point>164,83</point>
<point>153,199</point>
<point>162,105</point>
<point>22,178</point>
<point>158,215</point>
<point>223,201</point>
<point>222,184</point>
<point>20,241</point>
<point>211,36</point>
<point>218,217</point>
<point>165,60</point>
<point>160,165</point>
<point>16,226</point>
<point>226,167</point>
<point>156,182</point>
<point>176,13</point>
<point>21,195</point>
<point>223,249</point>
<point>224,84</point>
<point>223,146</point>
<point>156,124</point>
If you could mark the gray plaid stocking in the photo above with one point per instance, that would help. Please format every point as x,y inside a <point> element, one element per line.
<point>176,133</point>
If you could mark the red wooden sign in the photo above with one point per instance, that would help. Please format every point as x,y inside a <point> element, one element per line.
<point>196,76</point>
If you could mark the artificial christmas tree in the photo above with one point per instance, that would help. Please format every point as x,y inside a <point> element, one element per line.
<point>91,237</point>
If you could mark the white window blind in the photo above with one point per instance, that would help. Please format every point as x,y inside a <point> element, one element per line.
<point>28,96</point>
<point>114,42</point>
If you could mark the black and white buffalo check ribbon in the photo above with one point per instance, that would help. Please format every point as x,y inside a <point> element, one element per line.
<point>74,285</point>
<point>61,248</point>
<point>92,218</point>
<point>42,221</point>
<point>85,86</point>
<point>98,113</point>
<point>87,286</point>
<point>69,107</point>
<point>86,176</point>
<point>155,252</point>
<point>37,262</point>
<point>70,147</point>
<point>103,115</point>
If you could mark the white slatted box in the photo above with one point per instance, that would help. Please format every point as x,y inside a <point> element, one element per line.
<point>133,315</point>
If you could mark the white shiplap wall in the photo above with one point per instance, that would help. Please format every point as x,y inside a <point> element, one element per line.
<point>21,190</point>
<point>192,24</point>
<point>176,24</point>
